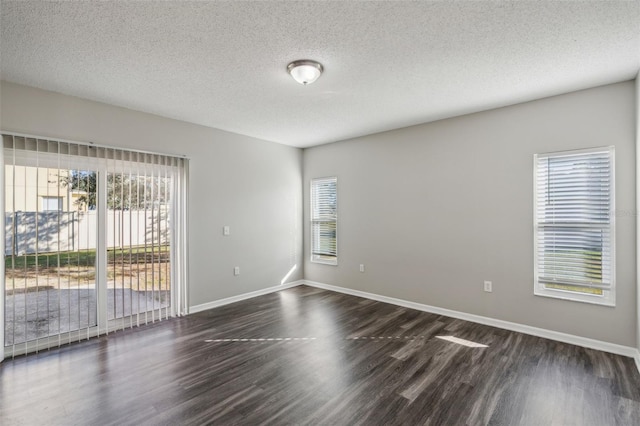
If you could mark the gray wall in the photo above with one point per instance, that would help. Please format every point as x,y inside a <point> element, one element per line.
<point>251,185</point>
<point>433,210</point>
<point>637,210</point>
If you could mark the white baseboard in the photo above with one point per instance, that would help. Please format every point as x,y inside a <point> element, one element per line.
<point>507,325</point>
<point>521,328</point>
<point>244,296</point>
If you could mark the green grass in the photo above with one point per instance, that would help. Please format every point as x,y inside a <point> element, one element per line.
<point>76,258</point>
<point>592,267</point>
<point>575,288</point>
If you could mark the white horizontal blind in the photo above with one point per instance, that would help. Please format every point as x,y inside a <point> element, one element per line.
<point>574,227</point>
<point>324,220</point>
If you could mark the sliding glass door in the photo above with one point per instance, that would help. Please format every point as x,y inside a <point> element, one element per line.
<point>50,257</point>
<point>139,245</point>
<point>89,240</point>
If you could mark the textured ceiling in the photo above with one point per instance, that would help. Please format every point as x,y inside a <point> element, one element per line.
<point>387,64</point>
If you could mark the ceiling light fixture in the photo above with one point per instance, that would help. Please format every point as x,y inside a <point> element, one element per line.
<point>305,71</point>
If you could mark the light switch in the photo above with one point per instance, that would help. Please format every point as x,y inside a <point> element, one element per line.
<point>226,230</point>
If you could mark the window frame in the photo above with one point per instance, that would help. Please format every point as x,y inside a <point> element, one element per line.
<point>315,258</point>
<point>608,298</point>
<point>41,152</point>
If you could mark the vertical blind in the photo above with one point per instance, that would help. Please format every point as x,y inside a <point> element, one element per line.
<point>94,240</point>
<point>324,220</point>
<point>574,227</point>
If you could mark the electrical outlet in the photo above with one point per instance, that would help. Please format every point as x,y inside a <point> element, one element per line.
<point>236,270</point>
<point>488,287</point>
<point>361,267</point>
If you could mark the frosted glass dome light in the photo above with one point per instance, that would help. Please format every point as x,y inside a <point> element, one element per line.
<point>305,71</point>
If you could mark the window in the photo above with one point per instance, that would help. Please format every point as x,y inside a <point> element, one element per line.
<point>324,220</point>
<point>574,227</point>
<point>51,204</point>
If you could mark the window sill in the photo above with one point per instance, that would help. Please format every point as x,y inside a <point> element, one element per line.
<point>325,262</point>
<point>592,300</point>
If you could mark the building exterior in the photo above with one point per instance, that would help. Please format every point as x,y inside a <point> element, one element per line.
<point>40,189</point>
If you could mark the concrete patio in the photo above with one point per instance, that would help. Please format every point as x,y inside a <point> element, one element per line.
<point>36,315</point>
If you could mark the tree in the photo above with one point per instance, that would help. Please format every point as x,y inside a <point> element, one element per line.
<point>84,182</point>
<point>124,192</point>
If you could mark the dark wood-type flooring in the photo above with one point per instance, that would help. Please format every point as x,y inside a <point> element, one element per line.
<point>334,360</point>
